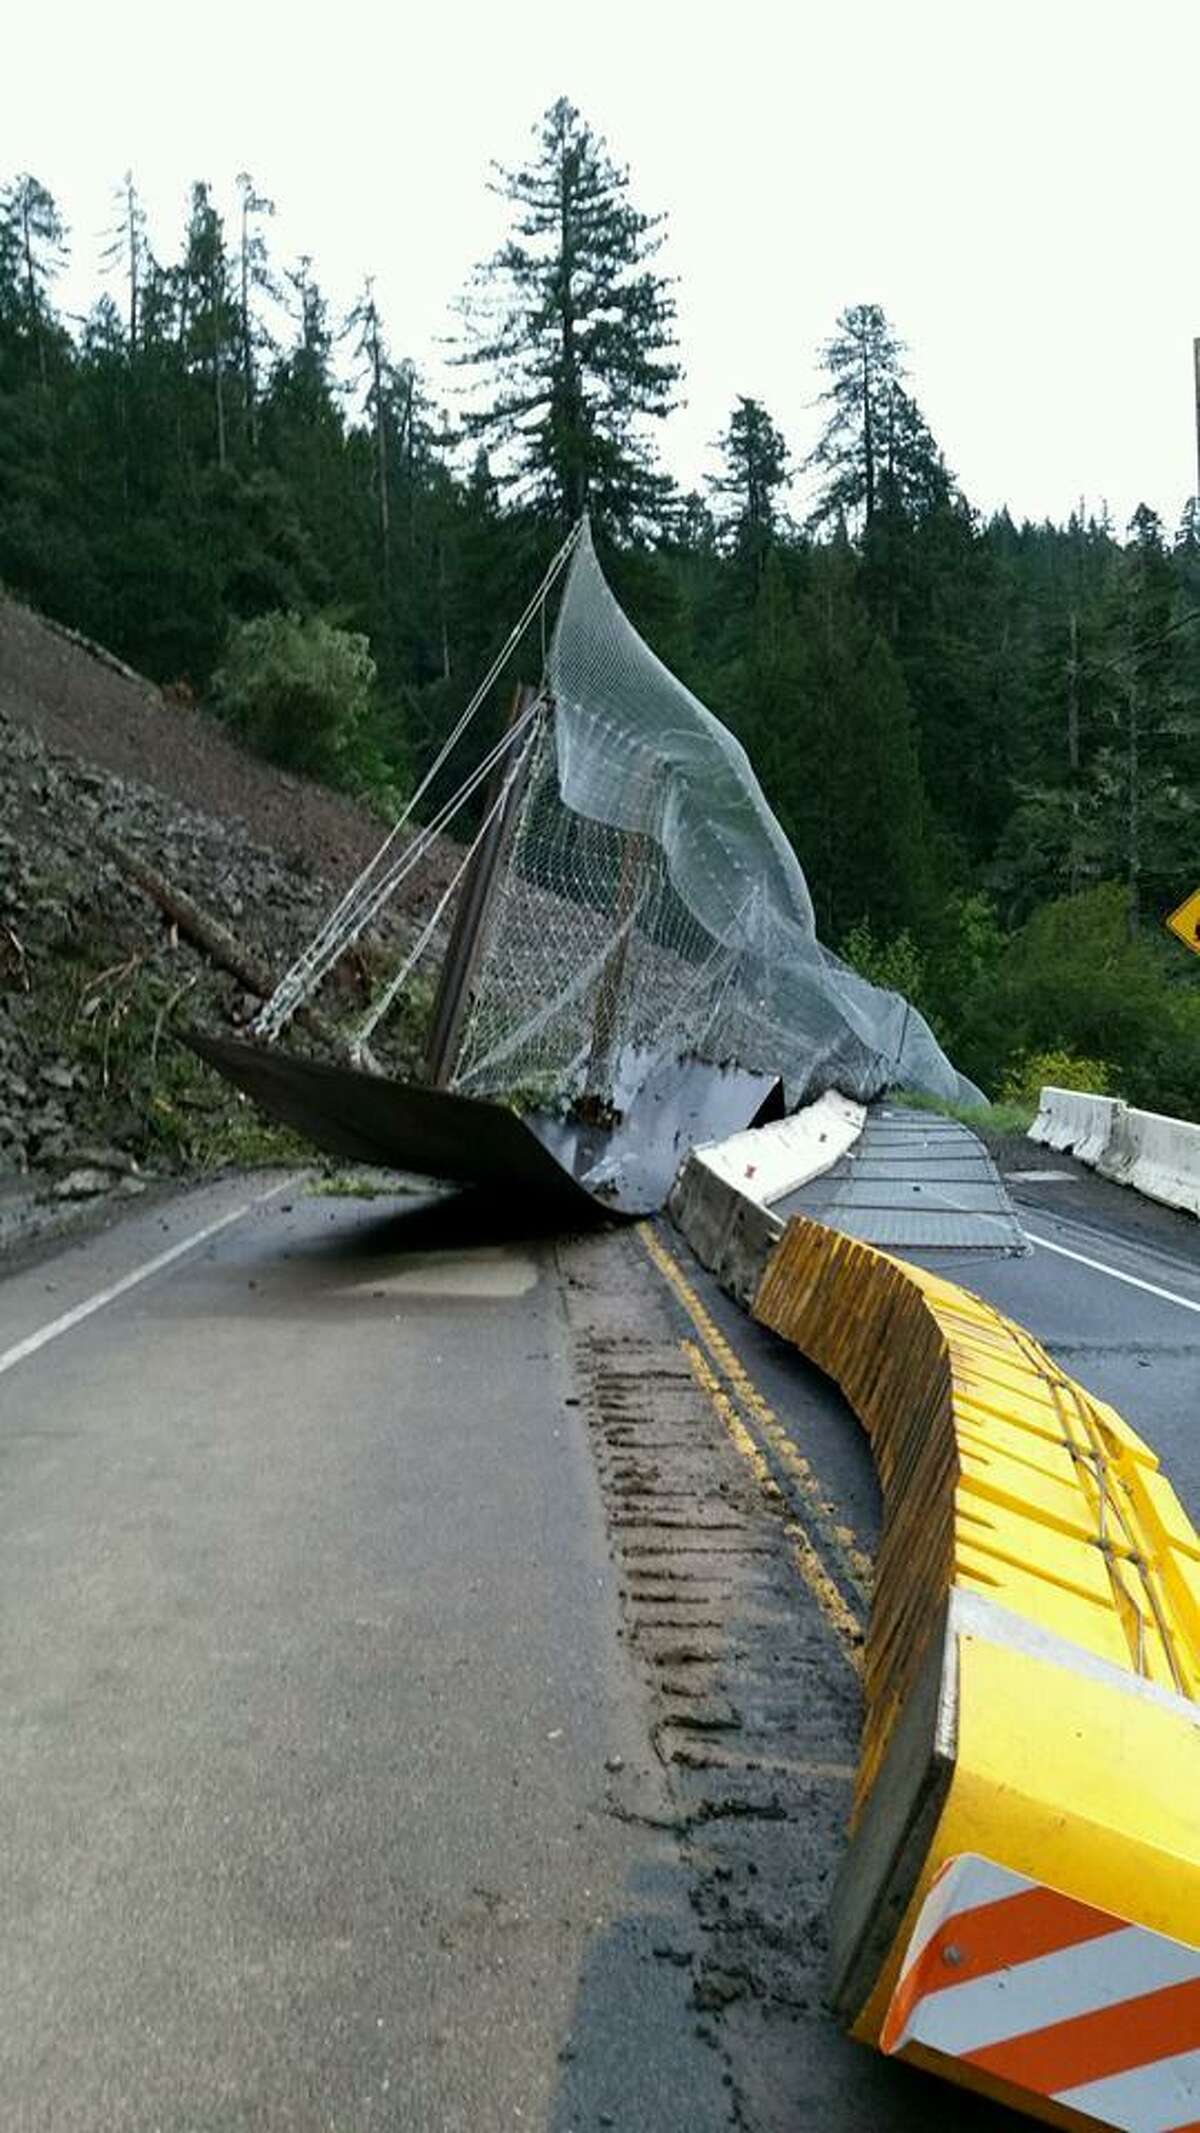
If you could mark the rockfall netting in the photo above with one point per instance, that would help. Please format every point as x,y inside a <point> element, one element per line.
<point>650,904</point>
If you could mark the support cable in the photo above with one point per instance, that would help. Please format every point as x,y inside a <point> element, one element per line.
<point>344,923</point>
<point>332,944</point>
<point>379,1008</point>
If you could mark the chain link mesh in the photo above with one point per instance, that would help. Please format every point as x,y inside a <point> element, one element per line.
<point>593,965</point>
<point>650,903</point>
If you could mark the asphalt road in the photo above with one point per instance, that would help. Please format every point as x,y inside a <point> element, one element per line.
<point>310,1675</point>
<point>413,1714</point>
<point>1112,1289</point>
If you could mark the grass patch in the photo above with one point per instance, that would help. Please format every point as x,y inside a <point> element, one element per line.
<point>363,1185</point>
<point>997,1119</point>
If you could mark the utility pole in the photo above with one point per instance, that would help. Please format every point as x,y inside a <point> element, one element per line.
<point>1196,364</point>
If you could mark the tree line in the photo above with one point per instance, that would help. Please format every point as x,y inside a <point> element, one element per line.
<point>980,734</point>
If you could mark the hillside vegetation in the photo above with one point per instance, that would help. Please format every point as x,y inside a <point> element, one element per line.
<point>980,734</point>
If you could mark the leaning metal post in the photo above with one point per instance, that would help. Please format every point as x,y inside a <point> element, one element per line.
<point>469,932</point>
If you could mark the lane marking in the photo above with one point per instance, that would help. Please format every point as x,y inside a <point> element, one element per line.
<point>845,1624</point>
<point>841,1619</point>
<point>1099,1266</point>
<point>839,1539</point>
<point>75,1317</point>
<point>710,1384</point>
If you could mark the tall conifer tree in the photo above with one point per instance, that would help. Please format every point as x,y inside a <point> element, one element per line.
<point>577,335</point>
<point>864,363</point>
<point>37,241</point>
<point>755,470</point>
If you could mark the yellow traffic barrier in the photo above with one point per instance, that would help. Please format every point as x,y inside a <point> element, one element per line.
<point>1031,1671</point>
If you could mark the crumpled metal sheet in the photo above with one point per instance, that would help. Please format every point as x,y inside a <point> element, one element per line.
<point>584,1172</point>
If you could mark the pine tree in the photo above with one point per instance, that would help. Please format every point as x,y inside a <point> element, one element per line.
<point>864,363</point>
<point>128,253</point>
<point>208,315</point>
<point>821,706</point>
<point>577,335</point>
<point>310,363</point>
<point>10,296</point>
<point>37,243</point>
<point>755,470</point>
<point>913,477</point>
<point>1148,777</point>
<point>304,441</point>
<point>413,502</point>
<point>388,393</point>
<point>254,278</point>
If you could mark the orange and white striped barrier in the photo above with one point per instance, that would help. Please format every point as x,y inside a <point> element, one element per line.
<point>1029,1991</point>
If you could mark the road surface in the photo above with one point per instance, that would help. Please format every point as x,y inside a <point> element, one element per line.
<point>416,1716</point>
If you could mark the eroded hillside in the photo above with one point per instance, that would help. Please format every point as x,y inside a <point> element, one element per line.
<point>96,1093</point>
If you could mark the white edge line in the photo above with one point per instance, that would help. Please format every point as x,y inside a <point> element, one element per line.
<point>1186,1303</point>
<point>75,1317</point>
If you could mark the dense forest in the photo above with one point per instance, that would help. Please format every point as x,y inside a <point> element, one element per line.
<point>981,735</point>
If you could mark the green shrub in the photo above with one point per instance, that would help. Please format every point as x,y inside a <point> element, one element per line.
<point>1072,981</point>
<point>896,964</point>
<point>298,691</point>
<point>964,943</point>
<point>1028,1075</point>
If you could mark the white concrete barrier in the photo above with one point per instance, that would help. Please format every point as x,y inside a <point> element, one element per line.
<point>1072,1120</point>
<point>722,1198</point>
<point>767,1162</point>
<point>1157,1156</point>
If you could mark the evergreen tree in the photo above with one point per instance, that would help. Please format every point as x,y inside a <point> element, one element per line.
<point>36,247</point>
<point>913,477</point>
<point>389,403</point>
<point>309,365</point>
<point>254,278</point>
<point>207,312</point>
<point>1144,779</point>
<point>128,253</point>
<point>824,714</point>
<point>579,337</point>
<point>755,470</point>
<point>865,367</point>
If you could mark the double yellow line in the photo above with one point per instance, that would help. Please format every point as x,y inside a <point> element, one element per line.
<point>818,1541</point>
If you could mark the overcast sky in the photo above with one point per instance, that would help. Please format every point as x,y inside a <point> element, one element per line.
<point>1017,184</point>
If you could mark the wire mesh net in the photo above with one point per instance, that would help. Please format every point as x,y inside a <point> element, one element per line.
<point>649,903</point>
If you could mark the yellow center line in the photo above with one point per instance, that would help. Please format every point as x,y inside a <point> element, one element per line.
<point>710,1384</point>
<point>840,1617</point>
<point>839,1538</point>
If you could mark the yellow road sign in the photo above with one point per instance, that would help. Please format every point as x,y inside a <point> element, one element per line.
<point>1186,922</point>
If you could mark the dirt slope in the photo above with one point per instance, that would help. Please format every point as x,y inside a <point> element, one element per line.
<point>81,702</point>
<point>95,1094</point>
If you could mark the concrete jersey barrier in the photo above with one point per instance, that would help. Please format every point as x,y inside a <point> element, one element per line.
<point>1158,1156</point>
<point>1155,1155</point>
<point>1071,1122</point>
<point>768,1162</point>
<point>722,1198</point>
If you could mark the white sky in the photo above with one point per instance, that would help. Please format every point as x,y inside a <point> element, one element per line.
<point>1017,183</point>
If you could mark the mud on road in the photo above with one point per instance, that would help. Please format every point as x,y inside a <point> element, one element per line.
<point>743,1598</point>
